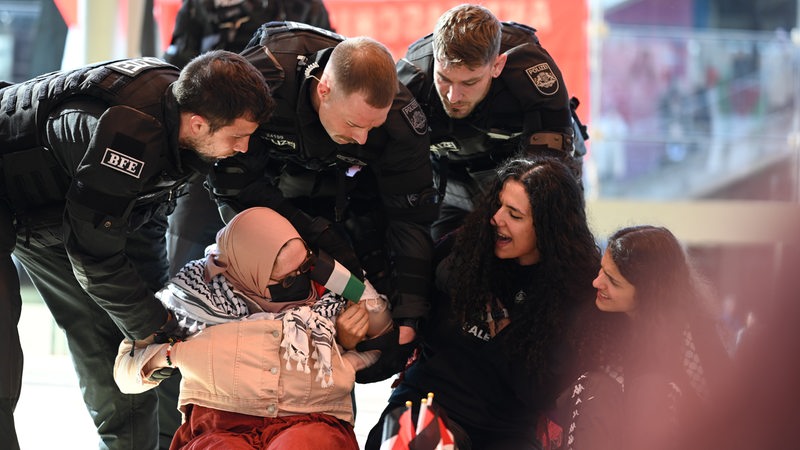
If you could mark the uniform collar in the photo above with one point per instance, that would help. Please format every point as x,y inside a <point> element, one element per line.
<point>308,73</point>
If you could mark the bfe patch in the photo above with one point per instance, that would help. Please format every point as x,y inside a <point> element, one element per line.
<point>543,78</point>
<point>131,67</point>
<point>122,163</point>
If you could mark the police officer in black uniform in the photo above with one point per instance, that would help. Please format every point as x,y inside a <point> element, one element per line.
<point>348,168</point>
<point>200,26</point>
<point>92,160</point>
<point>490,91</point>
<point>203,25</point>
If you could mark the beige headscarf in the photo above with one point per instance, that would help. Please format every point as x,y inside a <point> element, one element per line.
<point>247,247</point>
<point>245,254</point>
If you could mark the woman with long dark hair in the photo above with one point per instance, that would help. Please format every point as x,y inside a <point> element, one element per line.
<point>493,350</point>
<point>653,352</point>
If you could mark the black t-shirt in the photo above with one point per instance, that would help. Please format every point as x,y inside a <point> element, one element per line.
<point>474,378</point>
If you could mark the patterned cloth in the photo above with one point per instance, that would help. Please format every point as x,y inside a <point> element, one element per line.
<point>198,304</point>
<point>693,367</point>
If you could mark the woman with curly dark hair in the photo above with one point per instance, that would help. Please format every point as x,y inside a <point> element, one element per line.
<point>493,351</point>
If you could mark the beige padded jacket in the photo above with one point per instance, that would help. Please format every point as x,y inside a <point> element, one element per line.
<point>240,367</point>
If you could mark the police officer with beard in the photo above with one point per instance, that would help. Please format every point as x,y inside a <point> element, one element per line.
<point>490,91</point>
<point>91,162</point>
<point>345,158</point>
<point>200,26</point>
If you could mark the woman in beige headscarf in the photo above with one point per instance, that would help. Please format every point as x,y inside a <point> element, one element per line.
<point>256,326</point>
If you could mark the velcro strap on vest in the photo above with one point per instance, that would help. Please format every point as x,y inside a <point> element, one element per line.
<point>33,178</point>
<point>11,101</point>
<point>548,139</point>
<point>110,205</point>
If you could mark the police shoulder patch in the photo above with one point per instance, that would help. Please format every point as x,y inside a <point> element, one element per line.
<point>122,163</point>
<point>543,78</point>
<point>415,117</point>
<point>131,67</point>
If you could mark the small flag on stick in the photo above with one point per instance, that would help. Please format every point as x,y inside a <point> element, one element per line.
<point>398,429</point>
<point>431,432</point>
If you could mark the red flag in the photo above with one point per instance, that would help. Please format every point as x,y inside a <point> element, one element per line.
<point>550,433</point>
<point>431,430</point>
<point>433,433</point>
<point>406,432</point>
<point>398,429</point>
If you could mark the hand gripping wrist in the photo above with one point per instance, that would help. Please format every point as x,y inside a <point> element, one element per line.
<point>168,332</point>
<point>166,372</point>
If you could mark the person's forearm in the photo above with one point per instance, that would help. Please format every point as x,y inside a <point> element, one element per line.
<point>134,366</point>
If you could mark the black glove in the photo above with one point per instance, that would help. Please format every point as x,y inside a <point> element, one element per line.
<point>393,359</point>
<point>162,374</point>
<point>336,245</point>
<point>169,331</point>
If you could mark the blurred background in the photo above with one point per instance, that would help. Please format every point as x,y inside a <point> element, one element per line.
<point>692,106</point>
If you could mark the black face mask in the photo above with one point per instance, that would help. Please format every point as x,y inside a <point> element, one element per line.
<point>298,290</point>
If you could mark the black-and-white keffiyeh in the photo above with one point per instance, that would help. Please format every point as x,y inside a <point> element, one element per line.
<point>198,304</point>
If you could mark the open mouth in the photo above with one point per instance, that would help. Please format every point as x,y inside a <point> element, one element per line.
<point>502,239</point>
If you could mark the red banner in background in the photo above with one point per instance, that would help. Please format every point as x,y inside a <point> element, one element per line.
<point>164,13</point>
<point>561,26</point>
<point>68,10</point>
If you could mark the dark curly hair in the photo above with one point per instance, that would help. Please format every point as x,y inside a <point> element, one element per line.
<point>569,259</point>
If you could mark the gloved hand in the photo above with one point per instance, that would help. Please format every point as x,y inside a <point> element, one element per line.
<point>169,331</point>
<point>393,359</point>
<point>335,245</point>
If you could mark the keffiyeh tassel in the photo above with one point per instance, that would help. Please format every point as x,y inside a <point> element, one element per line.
<point>322,333</point>
<point>295,338</point>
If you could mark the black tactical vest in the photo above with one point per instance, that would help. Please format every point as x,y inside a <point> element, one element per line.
<point>284,52</point>
<point>24,107</point>
<point>32,179</point>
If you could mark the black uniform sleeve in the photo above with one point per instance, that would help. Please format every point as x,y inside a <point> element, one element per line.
<point>123,153</point>
<point>187,34</point>
<point>537,82</point>
<point>317,15</point>
<point>405,181</point>
<point>412,77</point>
<point>243,181</point>
<point>415,69</point>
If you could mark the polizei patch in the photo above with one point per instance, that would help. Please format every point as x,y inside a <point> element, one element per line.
<point>123,163</point>
<point>543,78</point>
<point>415,117</point>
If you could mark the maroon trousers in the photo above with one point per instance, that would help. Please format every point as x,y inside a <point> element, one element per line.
<point>207,428</point>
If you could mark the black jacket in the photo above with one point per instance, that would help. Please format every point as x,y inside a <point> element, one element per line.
<point>382,192</point>
<point>487,391</point>
<point>528,97</point>
<point>89,156</point>
<point>203,25</point>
